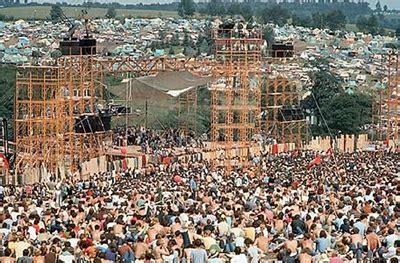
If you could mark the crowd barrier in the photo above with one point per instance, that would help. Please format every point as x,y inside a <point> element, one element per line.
<point>344,143</point>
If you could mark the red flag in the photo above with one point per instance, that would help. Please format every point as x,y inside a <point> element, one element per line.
<point>316,161</point>
<point>275,149</point>
<point>124,165</point>
<point>329,152</point>
<point>5,161</point>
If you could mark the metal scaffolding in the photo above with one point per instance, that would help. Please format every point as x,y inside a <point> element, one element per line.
<point>283,119</point>
<point>386,100</point>
<point>49,102</point>
<point>52,99</point>
<point>187,111</point>
<point>235,94</point>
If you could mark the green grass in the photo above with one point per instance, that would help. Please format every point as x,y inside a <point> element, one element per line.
<point>351,27</point>
<point>354,28</point>
<point>42,12</point>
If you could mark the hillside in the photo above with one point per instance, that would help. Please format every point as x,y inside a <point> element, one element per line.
<point>42,12</point>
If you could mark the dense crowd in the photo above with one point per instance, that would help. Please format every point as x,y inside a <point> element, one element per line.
<point>151,141</point>
<point>344,209</point>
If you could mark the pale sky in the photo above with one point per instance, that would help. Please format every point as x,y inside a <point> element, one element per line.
<point>390,3</point>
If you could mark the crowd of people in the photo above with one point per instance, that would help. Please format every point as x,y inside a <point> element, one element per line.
<point>151,141</point>
<point>343,209</point>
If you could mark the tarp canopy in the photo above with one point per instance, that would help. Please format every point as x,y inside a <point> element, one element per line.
<point>174,81</point>
<point>160,87</point>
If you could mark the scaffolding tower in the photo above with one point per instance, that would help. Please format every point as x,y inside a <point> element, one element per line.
<point>235,94</point>
<point>283,119</point>
<point>389,98</point>
<point>51,103</point>
<point>187,111</point>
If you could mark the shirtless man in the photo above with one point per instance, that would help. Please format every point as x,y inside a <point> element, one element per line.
<point>305,256</point>
<point>373,242</point>
<point>262,242</point>
<point>291,244</point>
<point>307,242</point>
<point>356,242</point>
<point>140,248</point>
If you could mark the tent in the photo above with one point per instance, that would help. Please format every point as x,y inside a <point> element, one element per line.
<point>163,86</point>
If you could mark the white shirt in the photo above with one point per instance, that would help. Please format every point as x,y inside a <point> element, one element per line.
<point>67,258</point>
<point>391,239</point>
<point>73,242</point>
<point>14,216</point>
<point>241,258</point>
<point>239,242</point>
<point>32,233</point>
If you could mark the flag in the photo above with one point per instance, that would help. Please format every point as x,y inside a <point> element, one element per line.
<point>316,161</point>
<point>329,152</point>
<point>275,149</point>
<point>5,161</point>
<point>124,164</point>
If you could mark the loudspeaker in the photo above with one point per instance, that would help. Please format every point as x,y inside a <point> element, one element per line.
<point>92,124</point>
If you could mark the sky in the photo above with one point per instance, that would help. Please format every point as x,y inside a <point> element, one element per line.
<point>390,3</point>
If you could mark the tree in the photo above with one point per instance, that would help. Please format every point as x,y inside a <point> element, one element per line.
<point>368,24</point>
<point>348,113</point>
<point>275,14</point>
<point>186,40</point>
<point>335,20</point>
<point>234,9</point>
<point>171,51</point>
<point>7,91</point>
<point>398,31</point>
<point>55,54</point>
<point>247,12</point>
<point>188,51</point>
<point>186,8</point>
<point>378,7</point>
<point>204,48</point>
<point>175,40</point>
<point>111,12</point>
<point>214,8</point>
<point>55,12</point>
<point>319,20</point>
<point>302,21</point>
<point>269,35</point>
<point>335,109</point>
<point>325,87</point>
<point>385,8</point>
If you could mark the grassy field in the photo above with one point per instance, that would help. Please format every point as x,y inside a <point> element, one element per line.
<point>353,27</point>
<point>42,12</point>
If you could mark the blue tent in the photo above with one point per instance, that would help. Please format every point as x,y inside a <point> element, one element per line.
<point>11,50</point>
